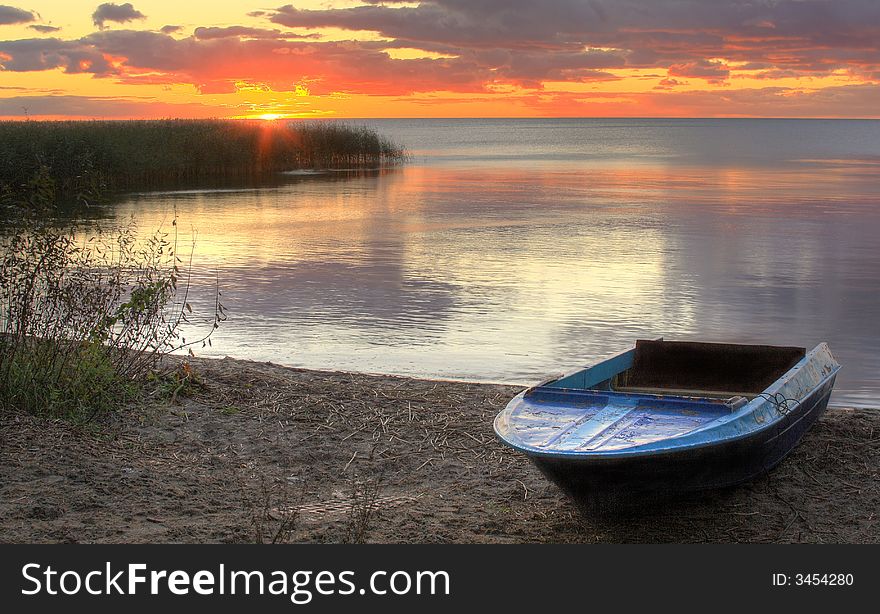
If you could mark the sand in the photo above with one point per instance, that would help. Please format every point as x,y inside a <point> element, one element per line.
<point>250,452</point>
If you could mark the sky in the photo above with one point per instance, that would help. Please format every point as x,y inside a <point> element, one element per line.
<point>440,58</point>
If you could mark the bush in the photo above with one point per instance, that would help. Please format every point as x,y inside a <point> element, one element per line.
<point>83,321</point>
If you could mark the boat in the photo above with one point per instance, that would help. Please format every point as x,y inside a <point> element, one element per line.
<point>668,419</point>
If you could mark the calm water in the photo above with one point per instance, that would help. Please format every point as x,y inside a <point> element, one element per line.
<point>508,250</point>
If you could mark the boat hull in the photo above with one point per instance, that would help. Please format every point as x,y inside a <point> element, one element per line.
<point>599,483</point>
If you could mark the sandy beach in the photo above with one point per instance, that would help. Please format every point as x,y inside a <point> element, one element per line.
<point>247,451</point>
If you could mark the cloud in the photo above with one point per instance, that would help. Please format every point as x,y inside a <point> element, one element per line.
<point>779,74</point>
<point>36,54</point>
<point>119,13</point>
<point>208,33</point>
<point>474,49</point>
<point>217,64</point>
<point>802,34</point>
<point>483,45</point>
<point>456,22</point>
<point>44,29</point>
<point>668,84</point>
<point>10,15</point>
<point>713,72</point>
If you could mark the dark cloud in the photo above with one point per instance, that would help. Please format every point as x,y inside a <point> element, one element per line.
<point>779,74</point>
<point>44,29</point>
<point>668,84</point>
<point>120,13</point>
<point>531,68</point>
<point>656,33</point>
<point>714,72</point>
<point>473,24</point>
<point>50,53</point>
<point>208,33</point>
<point>170,29</point>
<point>11,15</point>
<point>143,49</point>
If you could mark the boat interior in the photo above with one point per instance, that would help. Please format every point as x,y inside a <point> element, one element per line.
<point>658,390</point>
<point>688,369</point>
<point>708,370</point>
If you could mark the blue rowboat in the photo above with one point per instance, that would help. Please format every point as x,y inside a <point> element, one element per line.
<point>669,418</point>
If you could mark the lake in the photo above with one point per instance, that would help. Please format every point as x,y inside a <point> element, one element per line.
<point>509,250</point>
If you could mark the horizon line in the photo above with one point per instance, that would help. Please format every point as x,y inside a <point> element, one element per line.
<point>422,118</point>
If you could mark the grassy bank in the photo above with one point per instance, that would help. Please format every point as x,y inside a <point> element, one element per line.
<point>84,160</point>
<point>256,452</point>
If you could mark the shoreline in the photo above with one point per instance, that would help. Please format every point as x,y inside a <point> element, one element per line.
<point>250,451</point>
<point>451,380</point>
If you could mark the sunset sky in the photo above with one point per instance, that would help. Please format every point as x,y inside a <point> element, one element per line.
<point>440,58</point>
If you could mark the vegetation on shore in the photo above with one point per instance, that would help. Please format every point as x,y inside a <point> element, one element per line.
<point>85,314</point>
<point>85,160</point>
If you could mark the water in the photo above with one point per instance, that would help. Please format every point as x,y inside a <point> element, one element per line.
<point>510,250</point>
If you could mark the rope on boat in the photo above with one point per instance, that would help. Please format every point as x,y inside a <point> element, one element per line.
<point>780,402</point>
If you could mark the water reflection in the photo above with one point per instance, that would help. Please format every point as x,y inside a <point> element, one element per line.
<point>499,273</point>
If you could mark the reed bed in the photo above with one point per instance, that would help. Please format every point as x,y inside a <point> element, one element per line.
<point>85,160</point>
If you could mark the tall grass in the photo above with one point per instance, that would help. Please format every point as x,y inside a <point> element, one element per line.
<point>83,160</point>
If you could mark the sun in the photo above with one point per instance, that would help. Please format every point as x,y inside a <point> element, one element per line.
<point>269,117</point>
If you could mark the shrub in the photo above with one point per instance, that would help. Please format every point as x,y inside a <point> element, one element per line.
<point>84,320</point>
